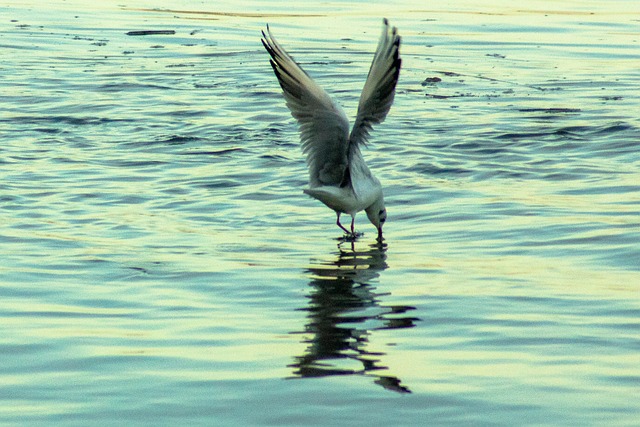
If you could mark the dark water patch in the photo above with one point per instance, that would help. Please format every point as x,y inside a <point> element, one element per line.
<point>176,139</point>
<point>50,131</point>
<point>564,176</point>
<point>604,189</point>
<point>454,95</point>
<point>214,153</point>
<point>116,199</point>
<point>219,183</point>
<point>614,128</point>
<point>549,117</point>
<point>621,313</point>
<point>435,170</point>
<point>584,141</point>
<point>22,349</point>
<point>431,81</point>
<point>161,141</point>
<point>621,379</point>
<point>65,120</point>
<point>150,32</point>
<point>524,135</point>
<point>135,164</point>
<point>550,110</point>
<point>276,157</point>
<point>625,257</point>
<point>134,87</point>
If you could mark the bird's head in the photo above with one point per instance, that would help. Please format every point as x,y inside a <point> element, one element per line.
<point>377,214</point>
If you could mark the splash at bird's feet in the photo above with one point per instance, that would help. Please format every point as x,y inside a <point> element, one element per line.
<point>350,237</point>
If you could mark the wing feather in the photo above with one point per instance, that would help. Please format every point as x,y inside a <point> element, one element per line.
<point>379,90</point>
<point>324,128</point>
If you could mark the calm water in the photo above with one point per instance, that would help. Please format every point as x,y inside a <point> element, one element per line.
<point>160,264</point>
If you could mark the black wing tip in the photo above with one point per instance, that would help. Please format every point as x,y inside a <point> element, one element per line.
<point>267,40</point>
<point>394,30</point>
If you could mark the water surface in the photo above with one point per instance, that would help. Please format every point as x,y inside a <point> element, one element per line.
<point>159,262</point>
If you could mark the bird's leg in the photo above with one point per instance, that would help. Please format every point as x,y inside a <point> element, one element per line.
<point>340,225</point>
<point>353,220</point>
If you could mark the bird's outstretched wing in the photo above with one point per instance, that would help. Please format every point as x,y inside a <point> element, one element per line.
<point>324,128</point>
<point>380,87</point>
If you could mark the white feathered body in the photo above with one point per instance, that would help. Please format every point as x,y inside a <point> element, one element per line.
<point>364,190</point>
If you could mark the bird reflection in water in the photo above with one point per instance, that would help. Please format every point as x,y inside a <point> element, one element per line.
<point>343,311</point>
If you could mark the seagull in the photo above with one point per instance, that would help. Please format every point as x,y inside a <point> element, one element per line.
<point>338,174</point>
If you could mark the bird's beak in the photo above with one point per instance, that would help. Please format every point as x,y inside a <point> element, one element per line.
<point>380,234</point>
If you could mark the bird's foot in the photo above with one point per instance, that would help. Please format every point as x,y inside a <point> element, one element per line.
<point>351,236</point>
